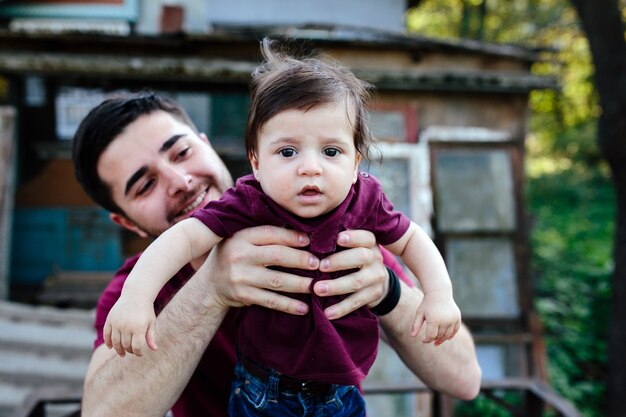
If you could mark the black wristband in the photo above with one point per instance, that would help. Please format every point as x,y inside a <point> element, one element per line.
<point>391,299</point>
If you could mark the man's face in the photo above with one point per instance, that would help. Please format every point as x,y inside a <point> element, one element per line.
<point>159,172</point>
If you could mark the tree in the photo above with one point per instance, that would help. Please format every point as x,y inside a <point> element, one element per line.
<point>602,22</point>
<point>574,118</point>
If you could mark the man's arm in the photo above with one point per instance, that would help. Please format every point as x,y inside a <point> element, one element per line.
<point>451,367</point>
<point>149,385</point>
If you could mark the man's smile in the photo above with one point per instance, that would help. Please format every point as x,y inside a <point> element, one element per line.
<point>190,207</point>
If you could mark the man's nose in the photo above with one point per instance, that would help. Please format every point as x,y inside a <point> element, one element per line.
<point>177,180</point>
<point>309,165</point>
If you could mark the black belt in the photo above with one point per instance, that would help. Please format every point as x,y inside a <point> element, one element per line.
<point>285,383</point>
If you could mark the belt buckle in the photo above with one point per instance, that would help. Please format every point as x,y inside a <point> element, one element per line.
<point>305,386</point>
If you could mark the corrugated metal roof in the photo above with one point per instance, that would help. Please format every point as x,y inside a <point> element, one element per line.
<point>358,36</point>
<point>229,53</point>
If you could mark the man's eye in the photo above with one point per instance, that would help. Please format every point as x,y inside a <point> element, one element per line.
<point>145,187</point>
<point>183,153</point>
<point>331,152</point>
<point>287,152</point>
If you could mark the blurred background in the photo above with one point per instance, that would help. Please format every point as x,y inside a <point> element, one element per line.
<point>501,130</point>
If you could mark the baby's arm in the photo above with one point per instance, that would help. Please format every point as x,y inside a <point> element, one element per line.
<point>438,309</point>
<point>131,321</point>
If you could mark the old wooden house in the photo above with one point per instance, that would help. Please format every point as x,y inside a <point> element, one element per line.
<point>450,118</point>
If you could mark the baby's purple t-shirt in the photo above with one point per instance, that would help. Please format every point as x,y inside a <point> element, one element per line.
<point>309,347</point>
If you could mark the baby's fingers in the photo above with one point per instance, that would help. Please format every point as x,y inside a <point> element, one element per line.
<point>106,334</point>
<point>151,336</point>
<point>451,331</point>
<point>133,343</point>
<point>432,332</point>
<point>417,323</point>
<point>137,344</point>
<point>444,335</point>
<point>116,342</point>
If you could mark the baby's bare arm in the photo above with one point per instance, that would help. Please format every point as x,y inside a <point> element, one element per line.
<point>422,257</point>
<point>438,309</point>
<point>131,322</point>
<point>176,247</point>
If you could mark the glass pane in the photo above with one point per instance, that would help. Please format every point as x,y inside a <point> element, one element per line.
<point>500,361</point>
<point>491,360</point>
<point>388,369</point>
<point>404,171</point>
<point>474,190</point>
<point>198,106</point>
<point>388,125</point>
<point>483,274</point>
<point>229,114</point>
<point>393,174</point>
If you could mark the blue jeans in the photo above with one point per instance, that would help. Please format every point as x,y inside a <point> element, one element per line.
<point>251,396</point>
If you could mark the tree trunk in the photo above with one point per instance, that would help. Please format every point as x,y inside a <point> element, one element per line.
<point>602,22</point>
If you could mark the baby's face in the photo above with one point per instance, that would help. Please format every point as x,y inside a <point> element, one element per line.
<point>306,161</point>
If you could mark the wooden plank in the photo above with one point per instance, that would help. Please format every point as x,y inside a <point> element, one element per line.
<point>551,397</point>
<point>7,185</point>
<point>543,394</point>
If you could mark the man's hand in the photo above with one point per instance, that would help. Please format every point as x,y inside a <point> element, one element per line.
<point>240,273</point>
<point>367,286</point>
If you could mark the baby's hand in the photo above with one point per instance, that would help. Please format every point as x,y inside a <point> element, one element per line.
<point>441,315</point>
<point>129,326</point>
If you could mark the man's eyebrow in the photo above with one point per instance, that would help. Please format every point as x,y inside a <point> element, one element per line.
<point>170,142</point>
<point>134,178</point>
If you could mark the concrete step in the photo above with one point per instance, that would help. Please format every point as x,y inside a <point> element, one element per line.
<point>41,370</point>
<point>41,348</point>
<point>70,341</point>
<point>11,395</point>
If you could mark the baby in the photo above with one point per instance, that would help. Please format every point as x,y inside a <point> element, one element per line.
<point>305,138</point>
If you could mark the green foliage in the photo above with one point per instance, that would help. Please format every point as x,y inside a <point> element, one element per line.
<point>572,263</point>
<point>569,192</point>
<point>526,21</point>
<point>483,406</point>
<point>562,122</point>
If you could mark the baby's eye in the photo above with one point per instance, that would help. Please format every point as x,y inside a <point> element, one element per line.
<point>287,152</point>
<point>331,152</point>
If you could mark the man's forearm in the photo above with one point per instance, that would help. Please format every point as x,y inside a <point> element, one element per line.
<point>149,385</point>
<point>451,367</point>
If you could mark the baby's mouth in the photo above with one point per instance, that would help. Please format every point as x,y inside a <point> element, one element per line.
<point>310,191</point>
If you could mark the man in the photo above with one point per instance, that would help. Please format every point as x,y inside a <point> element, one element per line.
<point>142,159</point>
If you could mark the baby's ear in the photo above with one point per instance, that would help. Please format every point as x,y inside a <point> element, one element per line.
<point>254,162</point>
<point>357,161</point>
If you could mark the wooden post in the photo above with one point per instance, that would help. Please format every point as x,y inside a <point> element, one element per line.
<point>7,119</point>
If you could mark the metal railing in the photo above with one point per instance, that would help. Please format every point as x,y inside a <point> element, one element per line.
<point>537,398</point>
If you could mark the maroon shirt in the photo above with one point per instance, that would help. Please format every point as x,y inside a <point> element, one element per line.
<point>208,390</point>
<point>309,347</point>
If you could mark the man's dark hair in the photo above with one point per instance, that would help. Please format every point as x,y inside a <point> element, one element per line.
<point>101,126</point>
<point>284,82</point>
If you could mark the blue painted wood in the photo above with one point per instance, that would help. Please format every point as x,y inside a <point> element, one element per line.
<point>129,11</point>
<point>71,239</point>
